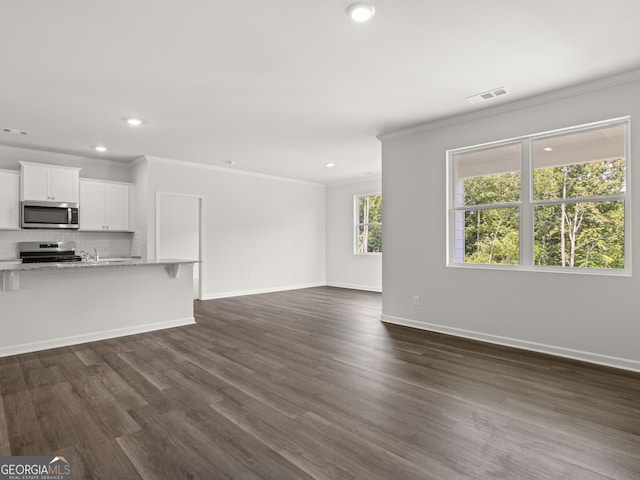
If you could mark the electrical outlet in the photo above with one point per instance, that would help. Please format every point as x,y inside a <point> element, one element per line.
<point>416,300</point>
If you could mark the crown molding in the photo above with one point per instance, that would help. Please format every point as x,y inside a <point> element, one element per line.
<point>27,154</point>
<point>370,178</point>
<point>566,92</point>
<point>204,166</point>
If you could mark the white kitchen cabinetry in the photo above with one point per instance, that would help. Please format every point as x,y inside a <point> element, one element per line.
<point>50,183</point>
<point>106,206</point>
<point>9,200</point>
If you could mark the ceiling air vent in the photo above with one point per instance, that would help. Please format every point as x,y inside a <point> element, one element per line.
<point>488,95</point>
<point>13,130</point>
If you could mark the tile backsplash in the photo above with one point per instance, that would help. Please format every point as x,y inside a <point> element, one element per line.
<point>109,244</point>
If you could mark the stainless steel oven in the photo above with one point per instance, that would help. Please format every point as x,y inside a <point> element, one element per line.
<point>48,252</point>
<point>49,215</point>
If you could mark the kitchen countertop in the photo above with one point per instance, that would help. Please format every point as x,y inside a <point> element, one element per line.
<point>17,265</point>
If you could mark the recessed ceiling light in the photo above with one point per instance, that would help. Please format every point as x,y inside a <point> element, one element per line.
<point>548,149</point>
<point>100,148</point>
<point>361,12</point>
<point>134,122</point>
<point>329,165</point>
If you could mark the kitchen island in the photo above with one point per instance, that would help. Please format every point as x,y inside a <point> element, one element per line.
<point>58,304</point>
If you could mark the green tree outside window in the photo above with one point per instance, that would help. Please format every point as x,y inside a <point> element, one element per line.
<point>369,223</point>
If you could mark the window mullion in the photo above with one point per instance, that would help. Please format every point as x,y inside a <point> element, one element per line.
<point>570,200</point>
<point>487,206</point>
<point>526,208</point>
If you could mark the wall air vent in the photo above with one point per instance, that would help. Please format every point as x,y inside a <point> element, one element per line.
<point>13,130</point>
<point>488,95</point>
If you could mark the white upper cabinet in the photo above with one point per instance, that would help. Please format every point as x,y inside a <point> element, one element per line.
<point>118,207</point>
<point>93,206</point>
<point>106,206</point>
<point>65,185</point>
<point>9,200</point>
<point>35,183</point>
<point>50,183</point>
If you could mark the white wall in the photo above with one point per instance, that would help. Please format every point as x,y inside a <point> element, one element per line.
<point>594,318</point>
<point>261,233</point>
<point>140,238</point>
<point>179,226</point>
<point>178,219</point>
<point>344,269</point>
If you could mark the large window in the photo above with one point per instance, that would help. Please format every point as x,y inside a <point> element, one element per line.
<point>553,201</point>
<point>368,225</point>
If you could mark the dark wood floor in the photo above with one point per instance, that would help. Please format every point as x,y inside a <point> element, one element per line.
<point>309,384</point>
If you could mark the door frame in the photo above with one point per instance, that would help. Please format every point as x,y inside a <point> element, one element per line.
<point>201,248</point>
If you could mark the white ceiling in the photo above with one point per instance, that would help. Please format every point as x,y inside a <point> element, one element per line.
<point>284,86</point>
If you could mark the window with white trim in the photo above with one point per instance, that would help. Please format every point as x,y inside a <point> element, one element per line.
<point>552,201</point>
<point>368,223</point>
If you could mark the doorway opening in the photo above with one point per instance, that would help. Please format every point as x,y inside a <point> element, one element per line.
<point>180,232</point>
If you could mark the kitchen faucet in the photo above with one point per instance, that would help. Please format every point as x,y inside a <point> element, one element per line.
<point>86,256</point>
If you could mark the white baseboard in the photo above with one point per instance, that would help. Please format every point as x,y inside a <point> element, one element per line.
<point>355,287</point>
<point>606,360</point>
<point>240,293</point>
<point>93,337</point>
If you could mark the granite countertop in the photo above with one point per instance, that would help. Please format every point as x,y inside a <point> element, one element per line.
<point>17,265</point>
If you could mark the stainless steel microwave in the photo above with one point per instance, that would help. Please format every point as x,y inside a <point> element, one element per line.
<point>49,215</point>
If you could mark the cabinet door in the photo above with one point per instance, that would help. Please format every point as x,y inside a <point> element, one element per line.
<point>35,183</point>
<point>64,185</point>
<point>117,207</point>
<point>92,206</point>
<point>9,200</point>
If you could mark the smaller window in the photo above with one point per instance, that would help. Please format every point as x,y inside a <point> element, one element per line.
<point>368,224</point>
